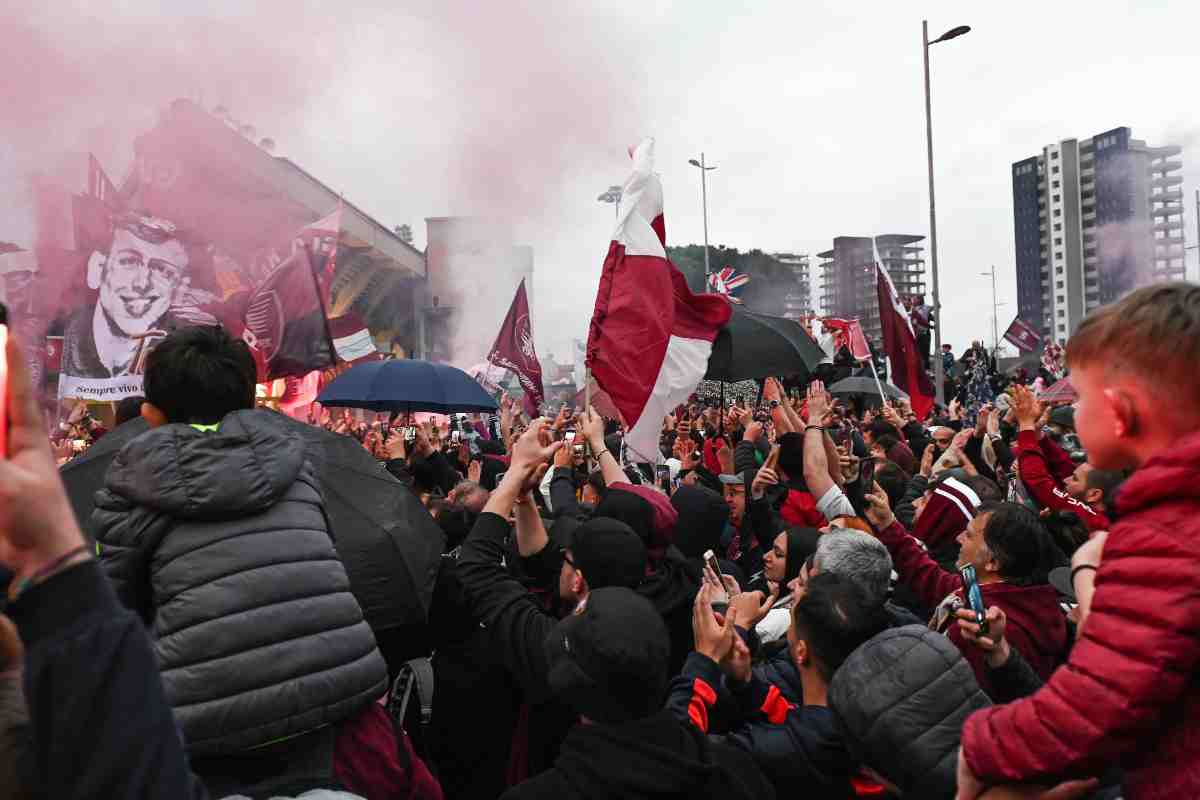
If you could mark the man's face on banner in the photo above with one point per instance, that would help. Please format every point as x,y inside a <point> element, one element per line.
<point>140,279</point>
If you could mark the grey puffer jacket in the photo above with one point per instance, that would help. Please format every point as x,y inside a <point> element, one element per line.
<point>219,540</point>
<point>902,699</point>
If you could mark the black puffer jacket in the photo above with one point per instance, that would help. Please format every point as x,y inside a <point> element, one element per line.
<point>218,539</point>
<point>902,699</point>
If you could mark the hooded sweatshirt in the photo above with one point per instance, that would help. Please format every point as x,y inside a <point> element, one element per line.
<point>218,540</point>
<point>655,757</point>
<point>1036,624</point>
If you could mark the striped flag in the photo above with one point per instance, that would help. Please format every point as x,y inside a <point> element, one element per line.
<point>650,336</point>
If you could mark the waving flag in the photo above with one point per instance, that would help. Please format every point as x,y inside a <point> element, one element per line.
<point>847,333</point>
<point>1023,336</point>
<point>900,342</point>
<point>650,337</point>
<point>514,350</point>
<point>726,281</point>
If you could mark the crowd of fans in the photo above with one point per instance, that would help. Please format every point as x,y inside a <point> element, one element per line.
<point>808,597</point>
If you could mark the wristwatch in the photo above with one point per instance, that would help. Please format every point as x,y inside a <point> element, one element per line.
<point>774,404</point>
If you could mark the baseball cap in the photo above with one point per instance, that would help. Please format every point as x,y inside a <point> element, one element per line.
<point>736,479</point>
<point>606,551</point>
<point>1063,416</point>
<point>609,662</point>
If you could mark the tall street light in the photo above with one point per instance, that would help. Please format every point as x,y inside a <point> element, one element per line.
<point>938,373</point>
<point>612,195</point>
<point>704,170</point>
<point>995,314</point>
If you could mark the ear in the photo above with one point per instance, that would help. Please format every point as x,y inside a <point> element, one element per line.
<point>153,415</point>
<point>1122,411</point>
<point>1093,496</point>
<point>800,652</point>
<point>579,584</point>
<point>95,269</point>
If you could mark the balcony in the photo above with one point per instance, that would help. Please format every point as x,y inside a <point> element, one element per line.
<point>1168,210</point>
<point>1165,181</point>
<point>1169,196</point>
<point>1169,225</point>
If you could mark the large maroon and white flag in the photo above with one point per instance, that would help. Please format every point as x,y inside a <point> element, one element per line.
<point>900,342</point>
<point>847,333</point>
<point>1023,336</point>
<point>514,350</point>
<point>650,337</point>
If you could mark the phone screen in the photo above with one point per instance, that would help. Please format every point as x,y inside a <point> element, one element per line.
<point>867,474</point>
<point>974,597</point>
<point>663,473</point>
<point>410,434</point>
<point>3,382</point>
<point>569,436</point>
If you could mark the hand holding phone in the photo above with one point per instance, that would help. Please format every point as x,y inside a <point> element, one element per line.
<point>974,597</point>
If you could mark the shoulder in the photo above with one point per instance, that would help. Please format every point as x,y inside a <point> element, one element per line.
<point>550,784</point>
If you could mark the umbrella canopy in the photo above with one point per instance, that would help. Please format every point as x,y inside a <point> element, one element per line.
<point>756,346</point>
<point>390,545</point>
<point>861,385</point>
<point>403,384</point>
<point>1061,392</point>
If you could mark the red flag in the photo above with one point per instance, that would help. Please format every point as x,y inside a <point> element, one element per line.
<point>352,340</point>
<point>900,343</point>
<point>1023,336</point>
<point>848,334</point>
<point>514,351</point>
<point>285,322</point>
<point>650,337</point>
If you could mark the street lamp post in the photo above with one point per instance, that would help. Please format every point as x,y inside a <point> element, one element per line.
<point>938,373</point>
<point>995,315</point>
<point>704,170</point>
<point>612,195</point>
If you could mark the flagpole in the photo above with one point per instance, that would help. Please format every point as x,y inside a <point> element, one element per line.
<point>878,384</point>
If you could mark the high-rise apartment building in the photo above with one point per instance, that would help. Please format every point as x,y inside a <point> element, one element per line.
<point>848,275</point>
<point>797,302</point>
<point>1093,219</point>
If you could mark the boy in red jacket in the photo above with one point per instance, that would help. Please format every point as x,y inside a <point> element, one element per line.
<point>1130,693</point>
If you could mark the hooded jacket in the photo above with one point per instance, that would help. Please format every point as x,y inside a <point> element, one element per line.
<point>901,699</point>
<point>1044,488</point>
<point>1130,692</point>
<point>654,757</point>
<point>1036,625</point>
<point>219,540</point>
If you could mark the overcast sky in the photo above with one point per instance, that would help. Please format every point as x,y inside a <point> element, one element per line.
<point>812,112</point>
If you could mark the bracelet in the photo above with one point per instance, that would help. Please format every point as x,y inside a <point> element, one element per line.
<point>1076,570</point>
<point>597,455</point>
<point>813,428</point>
<point>45,572</point>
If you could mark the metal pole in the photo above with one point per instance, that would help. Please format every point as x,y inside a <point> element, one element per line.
<point>704,206</point>
<point>995,318</point>
<point>939,379</point>
<point>1197,242</point>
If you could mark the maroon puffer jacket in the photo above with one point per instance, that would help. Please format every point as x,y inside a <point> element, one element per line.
<point>1130,692</point>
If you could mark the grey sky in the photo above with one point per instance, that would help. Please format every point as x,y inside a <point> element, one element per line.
<point>812,112</point>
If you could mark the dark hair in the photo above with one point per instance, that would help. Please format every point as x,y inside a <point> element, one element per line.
<point>129,408</point>
<point>887,441</point>
<point>200,374</point>
<point>1018,541</point>
<point>881,427</point>
<point>1106,480</point>
<point>986,488</point>
<point>834,617</point>
<point>892,478</point>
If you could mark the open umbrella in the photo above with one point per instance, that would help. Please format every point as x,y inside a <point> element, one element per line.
<point>755,346</point>
<point>390,545</point>
<point>403,384</point>
<point>861,385</point>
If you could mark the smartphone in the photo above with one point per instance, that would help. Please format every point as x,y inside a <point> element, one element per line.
<point>974,597</point>
<point>772,458</point>
<point>662,474</point>
<point>710,560</point>
<point>3,381</point>
<point>867,474</point>
<point>410,434</point>
<point>455,436</point>
<point>569,435</point>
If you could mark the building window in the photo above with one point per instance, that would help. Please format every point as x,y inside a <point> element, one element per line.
<point>1054,156</point>
<point>1057,198</point>
<point>1059,285</point>
<point>1058,270</point>
<point>1060,299</point>
<point>1054,185</point>
<point>1062,313</point>
<point>1058,212</point>
<point>1054,170</point>
<point>1062,328</point>
<point>1058,256</point>
<point>1058,241</point>
<point>1058,226</point>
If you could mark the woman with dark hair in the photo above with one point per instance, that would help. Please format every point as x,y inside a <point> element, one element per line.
<point>783,566</point>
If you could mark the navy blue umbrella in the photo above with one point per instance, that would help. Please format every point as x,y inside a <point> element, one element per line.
<point>403,384</point>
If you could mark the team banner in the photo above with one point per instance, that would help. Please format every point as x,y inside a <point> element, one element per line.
<point>514,350</point>
<point>1023,336</point>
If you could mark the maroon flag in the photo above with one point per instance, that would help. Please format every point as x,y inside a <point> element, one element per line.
<point>514,351</point>
<point>848,334</point>
<point>1023,336</point>
<point>900,343</point>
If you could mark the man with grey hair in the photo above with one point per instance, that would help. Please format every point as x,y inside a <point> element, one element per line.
<point>470,495</point>
<point>861,558</point>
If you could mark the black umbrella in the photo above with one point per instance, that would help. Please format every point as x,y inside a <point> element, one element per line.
<point>861,385</point>
<point>390,545</point>
<point>756,346</point>
<point>403,384</point>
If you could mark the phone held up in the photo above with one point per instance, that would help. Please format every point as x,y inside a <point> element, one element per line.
<point>710,560</point>
<point>662,475</point>
<point>867,474</point>
<point>3,381</point>
<point>974,597</point>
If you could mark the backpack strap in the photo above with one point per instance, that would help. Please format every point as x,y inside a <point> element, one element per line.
<point>416,676</point>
